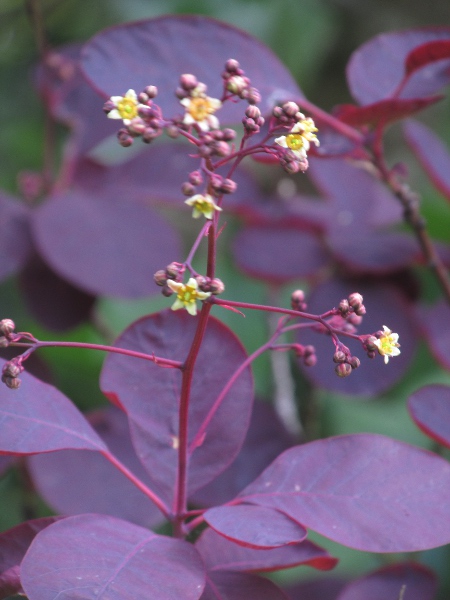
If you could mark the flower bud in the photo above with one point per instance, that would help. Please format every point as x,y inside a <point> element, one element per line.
<point>355,300</point>
<point>216,286</point>
<point>124,137</point>
<point>308,350</point>
<point>4,342</point>
<point>12,382</point>
<point>222,149</point>
<point>298,300</point>
<point>360,311</point>
<point>339,357</point>
<point>108,106</point>
<point>371,353</point>
<point>354,362</point>
<point>7,327</point>
<point>290,109</point>
<point>228,186</point>
<point>137,126</point>
<point>228,134</point>
<point>174,270</point>
<point>310,360</point>
<point>253,112</point>
<point>188,82</point>
<point>172,131</point>
<point>343,370</point>
<point>354,319</point>
<point>232,65</point>
<point>149,135</point>
<point>344,307</point>
<point>370,343</point>
<point>151,91</point>
<point>188,189</point>
<point>166,291</point>
<point>252,96</point>
<point>160,277</point>
<point>195,178</point>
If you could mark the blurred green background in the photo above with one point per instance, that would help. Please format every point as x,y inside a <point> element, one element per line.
<point>314,38</point>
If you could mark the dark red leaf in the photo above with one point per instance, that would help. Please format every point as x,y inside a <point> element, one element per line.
<point>430,409</point>
<point>56,303</point>
<point>39,418</point>
<point>254,526</point>
<point>224,585</point>
<point>385,306</point>
<point>279,254</point>
<point>221,554</point>
<point>15,240</point>
<point>13,545</point>
<point>425,54</point>
<point>74,482</point>
<point>96,556</point>
<point>364,491</point>
<point>158,51</point>
<point>420,584</point>
<point>266,439</point>
<point>434,320</point>
<point>384,111</point>
<point>384,58</point>
<point>150,396</point>
<point>104,243</point>
<point>432,154</point>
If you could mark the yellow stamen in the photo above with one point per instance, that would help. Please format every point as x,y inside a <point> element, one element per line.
<point>294,141</point>
<point>200,108</point>
<point>127,108</point>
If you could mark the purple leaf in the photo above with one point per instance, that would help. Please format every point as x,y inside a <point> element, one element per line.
<point>39,418</point>
<point>383,111</point>
<point>387,582</point>
<point>430,409</point>
<point>364,491</point>
<point>96,556</point>
<point>433,320</point>
<point>13,545</point>
<point>385,306</point>
<point>63,478</point>
<point>254,526</point>
<point>150,396</point>
<point>56,303</point>
<point>266,439</point>
<point>223,585</point>
<point>221,554</point>
<point>158,51</point>
<point>432,154</point>
<point>384,58</point>
<point>278,254</point>
<point>104,243</point>
<point>15,241</point>
<point>319,589</point>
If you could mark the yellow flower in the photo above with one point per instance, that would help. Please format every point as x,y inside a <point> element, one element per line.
<point>126,107</point>
<point>187,295</point>
<point>200,108</point>
<point>203,205</point>
<point>299,138</point>
<point>387,344</point>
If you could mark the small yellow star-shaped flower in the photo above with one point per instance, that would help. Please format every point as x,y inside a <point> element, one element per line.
<point>299,138</point>
<point>202,205</point>
<point>187,295</point>
<point>126,107</point>
<point>387,344</point>
<point>200,109</point>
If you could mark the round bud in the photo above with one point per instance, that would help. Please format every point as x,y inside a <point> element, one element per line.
<point>228,134</point>
<point>290,109</point>
<point>137,126</point>
<point>277,112</point>
<point>149,135</point>
<point>188,189</point>
<point>308,350</point>
<point>167,291</point>
<point>344,307</point>
<point>354,362</point>
<point>297,297</point>
<point>310,360</point>
<point>291,167</point>
<point>343,370</point>
<point>216,286</point>
<point>125,139</point>
<point>174,270</point>
<point>4,342</point>
<point>11,369</point>
<point>172,131</point>
<point>143,98</point>
<point>12,382</point>
<point>188,82</point>
<point>253,96</point>
<point>7,326</point>
<point>151,91</point>
<point>253,112</point>
<point>354,319</point>
<point>361,311</point>
<point>228,186</point>
<point>222,149</point>
<point>232,65</point>
<point>216,181</point>
<point>160,277</point>
<point>370,343</point>
<point>355,300</point>
<point>203,283</point>
<point>108,106</point>
<point>371,353</point>
<point>339,357</point>
<point>195,178</point>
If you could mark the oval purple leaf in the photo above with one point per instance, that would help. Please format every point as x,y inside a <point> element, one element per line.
<point>420,584</point>
<point>158,51</point>
<point>96,557</point>
<point>385,306</point>
<point>74,482</point>
<point>384,58</point>
<point>39,418</point>
<point>432,154</point>
<point>279,254</point>
<point>364,491</point>
<point>433,318</point>
<point>430,409</point>
<point>150,396</point>
<point>221,554</point>
<point>15,240</point>
<point>223,585</point>
<point>254,526</point>
<point>104,243</point>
